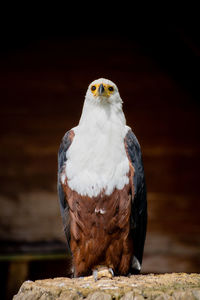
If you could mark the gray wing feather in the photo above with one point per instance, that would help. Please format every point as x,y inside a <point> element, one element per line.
<point>139,200</point>
<point>64,208</point>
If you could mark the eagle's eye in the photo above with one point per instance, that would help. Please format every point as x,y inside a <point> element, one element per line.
<point>93,88</point>
<point>111,88</point>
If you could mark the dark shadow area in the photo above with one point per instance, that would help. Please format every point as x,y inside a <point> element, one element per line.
<point>47,61</point>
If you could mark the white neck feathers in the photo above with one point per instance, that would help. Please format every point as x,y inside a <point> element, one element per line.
<point>96,159</point>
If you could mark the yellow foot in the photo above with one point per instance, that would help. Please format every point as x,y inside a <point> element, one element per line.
<point>102,271</point>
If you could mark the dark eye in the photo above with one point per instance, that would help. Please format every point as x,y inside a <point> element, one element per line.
<point>110,88</point>
<point>93,88</point>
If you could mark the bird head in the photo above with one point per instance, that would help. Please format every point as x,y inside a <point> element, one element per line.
<point>103,91</point>
<point>102,100</point>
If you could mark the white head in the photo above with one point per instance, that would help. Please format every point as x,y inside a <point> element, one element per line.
<point>102,100</point>
<point>103,91</point>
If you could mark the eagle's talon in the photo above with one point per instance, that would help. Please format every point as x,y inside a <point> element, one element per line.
<point>95,275</point>
<point>102,271</point>
<point>111,272</point>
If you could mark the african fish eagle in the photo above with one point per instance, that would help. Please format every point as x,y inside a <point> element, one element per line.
<point>101,187</point>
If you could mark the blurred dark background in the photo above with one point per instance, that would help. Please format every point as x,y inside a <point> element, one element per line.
<point>47,60</point>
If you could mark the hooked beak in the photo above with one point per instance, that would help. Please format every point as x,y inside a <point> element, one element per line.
<point>101,89</point>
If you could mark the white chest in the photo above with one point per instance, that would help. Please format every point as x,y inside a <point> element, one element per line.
<point>96,159</point>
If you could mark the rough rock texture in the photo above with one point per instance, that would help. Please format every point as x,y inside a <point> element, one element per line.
<point>168,286</point>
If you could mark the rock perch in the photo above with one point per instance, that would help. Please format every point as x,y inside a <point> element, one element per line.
<point>138,287</point>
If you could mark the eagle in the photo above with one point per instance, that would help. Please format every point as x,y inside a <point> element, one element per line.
<point>101,187</point>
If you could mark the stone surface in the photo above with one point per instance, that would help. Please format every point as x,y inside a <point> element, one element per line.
<point>159,287</point>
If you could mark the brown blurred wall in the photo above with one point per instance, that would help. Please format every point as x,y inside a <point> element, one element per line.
<point>43,84</point>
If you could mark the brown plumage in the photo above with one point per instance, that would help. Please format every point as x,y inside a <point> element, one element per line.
<point>99,238</point>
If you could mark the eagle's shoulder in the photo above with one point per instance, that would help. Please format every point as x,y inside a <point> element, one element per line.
<point>132,141</point>
<point>135,157</point>
<point>65,144</point>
